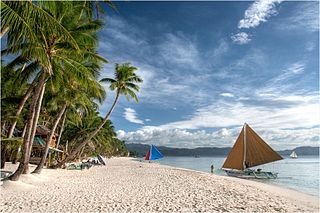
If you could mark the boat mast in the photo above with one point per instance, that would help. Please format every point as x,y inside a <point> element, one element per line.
<point>244,145</point>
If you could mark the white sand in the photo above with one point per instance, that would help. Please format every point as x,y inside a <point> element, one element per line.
<point>129,186</point>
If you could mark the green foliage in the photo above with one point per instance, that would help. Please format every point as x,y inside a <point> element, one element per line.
<point>125,81</point>
<point>103,143</point>
<point>12,143</point>
<point>60,39</point>
<point>13,87</point>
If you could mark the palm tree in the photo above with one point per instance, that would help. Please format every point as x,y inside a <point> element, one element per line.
<point>23,69</point>
<point>67,89</point>
<point>76,132</point>
<point>10,95</point>
<point>22,15</point>
<point>28,24</point>
<point>65,46</point>
<point>124,84</point>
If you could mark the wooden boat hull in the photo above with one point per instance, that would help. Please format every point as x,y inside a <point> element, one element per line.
<point>251,174</point>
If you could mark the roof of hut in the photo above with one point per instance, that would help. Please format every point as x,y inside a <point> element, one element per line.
<point>42,130</point>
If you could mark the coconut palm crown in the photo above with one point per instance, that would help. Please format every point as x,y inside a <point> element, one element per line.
<point>125,81</point>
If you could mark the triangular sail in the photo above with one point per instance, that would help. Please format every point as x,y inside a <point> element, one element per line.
<point>257,151</point>
<point>293,155</point>
<point>235,157</point>
<point>155,154</point>
<point>148,155</point>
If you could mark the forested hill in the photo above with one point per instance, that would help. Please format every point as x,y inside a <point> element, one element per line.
<point>141,150</point>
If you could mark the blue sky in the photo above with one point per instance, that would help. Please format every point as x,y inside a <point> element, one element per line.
<point>208,67</point>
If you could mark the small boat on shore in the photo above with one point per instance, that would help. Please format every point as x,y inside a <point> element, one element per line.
<point>293,155</point>
<point>248,151</point>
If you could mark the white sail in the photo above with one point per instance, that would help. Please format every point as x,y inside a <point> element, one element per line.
<point>293,155</point>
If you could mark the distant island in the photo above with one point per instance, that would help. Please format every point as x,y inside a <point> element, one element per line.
<point>141,149</point>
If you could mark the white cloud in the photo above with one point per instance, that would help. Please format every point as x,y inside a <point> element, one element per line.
<point>180,50</point>
<point>131,115</point>
<point>304,17</point>
<point>161,84</point>
<point>120,29</point>
<point>222,48</point>
<point>278,86</point>
<point>224,137</point>
<point>178,137</point>
<point>258,12</point>
<point>226,94</point>
<point>147,119</point>
<point>123,41</point>
<point>225,114</point>
<point>310,46</point>
<point>240,38</point>
<point>272,106</point>
<point>293,70</point>
<point>225,132</point>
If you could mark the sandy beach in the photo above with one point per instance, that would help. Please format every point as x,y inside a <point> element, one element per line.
<point>125,185</point>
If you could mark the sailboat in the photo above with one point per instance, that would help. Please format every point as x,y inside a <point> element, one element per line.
<point>293,155</point>
<point>153,154</point>
<point>248,151</point>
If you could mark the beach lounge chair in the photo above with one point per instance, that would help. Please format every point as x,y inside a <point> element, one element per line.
<point>79,166</point>
<point>5,174</point>
<point>86,165</point>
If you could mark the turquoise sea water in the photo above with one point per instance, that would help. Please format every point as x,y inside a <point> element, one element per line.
<point>300,174</point>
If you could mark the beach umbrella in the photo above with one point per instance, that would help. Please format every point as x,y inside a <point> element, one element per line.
<point>153,154</point>
<point>101,160</point>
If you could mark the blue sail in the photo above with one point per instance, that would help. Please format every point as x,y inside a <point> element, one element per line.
<point>154,153</point>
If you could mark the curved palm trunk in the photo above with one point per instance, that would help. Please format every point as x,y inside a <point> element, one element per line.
<point>34,128</point>
<point>85,142</point>
<point>60,133</point>
<point>4,150</point>
<point>44,156</point>
<point>20,107</point>
<point>26,140</point>
<point>16,154</point>
<point>62,128</point>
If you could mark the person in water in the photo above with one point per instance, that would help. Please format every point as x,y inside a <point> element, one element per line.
<point>246,163</point>
<point>212,168</point>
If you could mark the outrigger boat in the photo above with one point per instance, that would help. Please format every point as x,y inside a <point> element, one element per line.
<point>293,155</point>
<point>153,154</point>
<point>248,151</point>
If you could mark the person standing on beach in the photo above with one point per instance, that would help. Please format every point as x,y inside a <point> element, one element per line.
<point>212,168</point>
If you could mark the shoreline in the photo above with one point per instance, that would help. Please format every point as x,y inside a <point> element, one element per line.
<point>250,180</point>
<point>296,182</point>
<point>127,185</point>
<point>279,189</point>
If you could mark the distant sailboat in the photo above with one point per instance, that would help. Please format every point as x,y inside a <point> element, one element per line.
<point>153,154</point>
<point>294,155</point>
<point>248,151</point>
